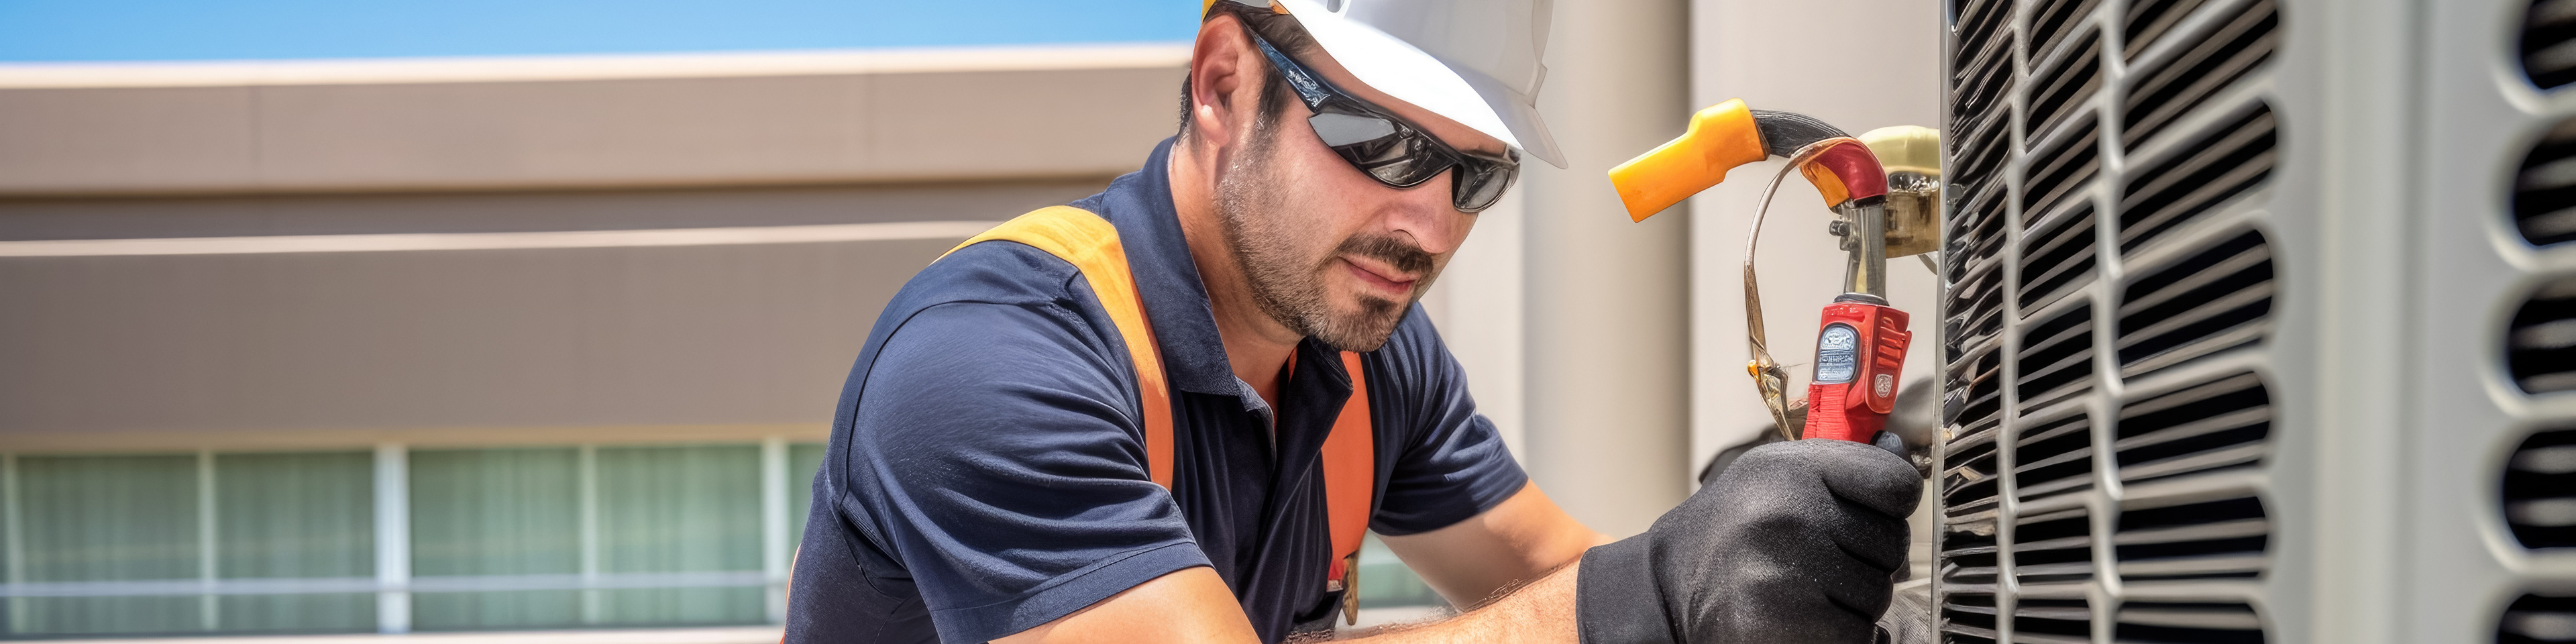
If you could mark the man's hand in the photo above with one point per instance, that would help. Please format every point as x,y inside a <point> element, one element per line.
<point>1795,542</point>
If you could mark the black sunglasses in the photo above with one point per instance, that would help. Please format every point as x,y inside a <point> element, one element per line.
<point>1388,149</point>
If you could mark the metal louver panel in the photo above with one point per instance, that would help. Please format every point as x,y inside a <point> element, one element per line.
<point>2200,176</point>
<point>2052,548</point>
<point>1969,485</point>
<point>2549,43</point>
<point>1968,557</point>
<point>1977,378</point>
<point>2540,491</point>
<point>2066,85</point>
<point>2054,17</point>
<point>2107,293</point>
<point>2057,355</point>
<point>2538,619</point>
<point>2210,301</point>
<point>2053,620</point>
<point>2062,172</point>
<point>2056,456</point>
<point>2480,478</point>
<point>2220,424</point>
<point>2544,190</point>
<point>1968,617</point>
<point>2148,20</point>
<point>2179,81</point>
<point>2203,540</point>
<point>2057,255</point>
<point>2195,623</point>
<point>2540,344</point>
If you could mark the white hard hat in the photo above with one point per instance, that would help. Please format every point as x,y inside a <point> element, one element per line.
<point>1473,61</point>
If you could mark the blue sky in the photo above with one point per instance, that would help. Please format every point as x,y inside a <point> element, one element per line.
<point>121,30</point>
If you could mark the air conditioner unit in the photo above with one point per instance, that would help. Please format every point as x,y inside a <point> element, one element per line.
<point>2259,321</point>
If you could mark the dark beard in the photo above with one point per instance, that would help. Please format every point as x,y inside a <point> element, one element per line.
<point>1288,288</point>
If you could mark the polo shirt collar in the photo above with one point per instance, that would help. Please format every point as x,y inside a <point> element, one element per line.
<point>1176,301</point>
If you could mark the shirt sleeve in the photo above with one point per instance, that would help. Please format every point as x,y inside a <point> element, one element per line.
<point>994,454</point>
<point>1450,464</point>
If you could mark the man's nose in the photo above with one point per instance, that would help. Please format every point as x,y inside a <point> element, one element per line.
<point>1426,214</point>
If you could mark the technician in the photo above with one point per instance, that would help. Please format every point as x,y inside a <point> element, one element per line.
<point>1133,419</point>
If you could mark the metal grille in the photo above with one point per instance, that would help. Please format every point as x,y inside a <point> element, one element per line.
<point>2213,300</point>
<point>2549,43</point>
<point>2197,430</point>
<point>2544,190</point>
<point>2536,493</point>
<point>2540,346</point>
<point>2539,619</point>
<point>2107,292</point>
<point>2198,623</point>
<point>2540,492</point>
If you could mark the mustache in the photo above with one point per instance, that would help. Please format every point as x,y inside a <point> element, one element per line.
<point>1403,256</point>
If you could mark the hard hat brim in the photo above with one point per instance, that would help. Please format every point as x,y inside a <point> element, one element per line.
<point>1399,69</point>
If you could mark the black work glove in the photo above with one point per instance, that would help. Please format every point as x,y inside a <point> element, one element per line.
<point>1795,542</point>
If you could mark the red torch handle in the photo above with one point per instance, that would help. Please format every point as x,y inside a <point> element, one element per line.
<point>1860,356</point>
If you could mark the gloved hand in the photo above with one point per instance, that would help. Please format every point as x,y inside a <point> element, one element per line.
<point>1795,542</point>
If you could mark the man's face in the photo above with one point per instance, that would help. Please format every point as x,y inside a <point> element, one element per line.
<point>1328,251</point>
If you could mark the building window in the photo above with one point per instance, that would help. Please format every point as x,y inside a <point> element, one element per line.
<point>89,519</point>
<point>505,523</point>
<point>503,538</point>
<point>508,538</point>
<point>280,518</point>
<point>1385,582</point>
<point>687,518</point>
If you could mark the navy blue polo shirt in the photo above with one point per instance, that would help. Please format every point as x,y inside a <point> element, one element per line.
<point>987,467</point>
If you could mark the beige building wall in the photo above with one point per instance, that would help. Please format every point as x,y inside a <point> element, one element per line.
<point>345,253</point>
<point>1607,301</point>
<point>232,255</point>
<point>583,122</point>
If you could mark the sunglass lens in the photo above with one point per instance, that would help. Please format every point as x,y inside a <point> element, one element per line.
<point>1338,129</point>
<point>1479,186</point>
<point>1387,151</point>
<point>1402,172</point>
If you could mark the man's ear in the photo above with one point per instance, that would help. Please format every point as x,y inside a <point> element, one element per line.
<point>1224,80</point>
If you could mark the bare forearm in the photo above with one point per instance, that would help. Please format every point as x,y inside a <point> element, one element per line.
<point>1520,540</point>
<point>1539,613</point>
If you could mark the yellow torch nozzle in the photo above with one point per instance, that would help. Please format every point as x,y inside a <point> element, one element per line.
<point>1720,138</point>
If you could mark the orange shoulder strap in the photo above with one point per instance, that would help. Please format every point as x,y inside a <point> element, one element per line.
<point>1090,243</point>
<point>1350,470</point>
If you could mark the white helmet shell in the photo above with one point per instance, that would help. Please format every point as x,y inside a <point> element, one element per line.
<point>1476,62</point>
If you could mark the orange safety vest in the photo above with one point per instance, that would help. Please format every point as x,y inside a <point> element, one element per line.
<point>1090,243</point>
